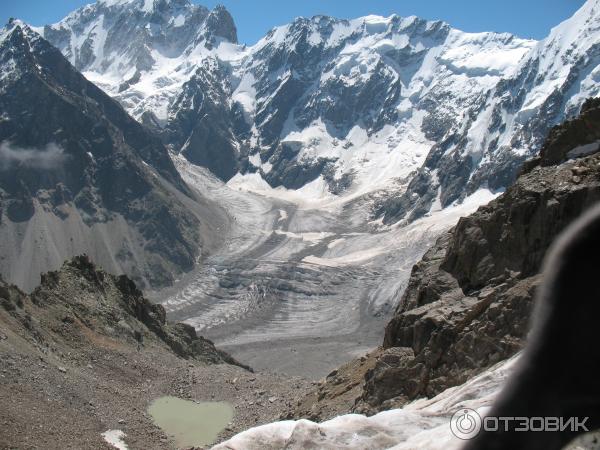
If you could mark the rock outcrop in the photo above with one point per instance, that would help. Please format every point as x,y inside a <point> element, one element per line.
<point>468,301</point>
<point>75,305</point>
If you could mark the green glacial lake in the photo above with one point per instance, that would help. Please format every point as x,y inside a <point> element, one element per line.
<point>189,423</point>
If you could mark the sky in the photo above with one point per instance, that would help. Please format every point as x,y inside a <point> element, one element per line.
<point>525,18</point>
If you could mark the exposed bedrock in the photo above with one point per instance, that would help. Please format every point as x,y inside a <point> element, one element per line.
<point>468,301</point>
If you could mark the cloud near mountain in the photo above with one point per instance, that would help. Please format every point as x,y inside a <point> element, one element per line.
<point>51,157</point>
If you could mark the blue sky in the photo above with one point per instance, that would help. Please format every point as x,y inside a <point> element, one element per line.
<point>526,18</point>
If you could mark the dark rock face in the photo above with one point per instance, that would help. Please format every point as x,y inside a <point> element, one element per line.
<point>583,130</point>
<point>201,122</point>
<point>70,151</point>
<point>291,174</point>
<point>219,23</point>
<point>80,296</point>
<point>468,301</point>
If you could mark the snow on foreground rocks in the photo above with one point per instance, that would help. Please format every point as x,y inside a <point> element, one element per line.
<point>421,424</point>
<point>115,439</point>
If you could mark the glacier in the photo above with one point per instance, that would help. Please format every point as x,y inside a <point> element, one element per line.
<point>341,149</point>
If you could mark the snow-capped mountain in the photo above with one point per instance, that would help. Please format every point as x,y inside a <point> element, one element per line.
<point>79,175</point>
<point>141,51</point>
<point>548,86</point>
<point>153,57</point>
<point>425,112</point>
<point>360,102</point>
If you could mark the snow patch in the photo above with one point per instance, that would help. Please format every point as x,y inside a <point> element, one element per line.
<point>245,94</point>
<point>421,424</point>
<point>351,258</point>
<point>312,237</point>
<point>283,215</point>
<point>115,438</point>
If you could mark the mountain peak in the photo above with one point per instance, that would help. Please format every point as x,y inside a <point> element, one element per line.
<point>123,37</point>
<point>145,5</point>
<point>13,25</point>
<point>220,23</point>
<point>22,39</point>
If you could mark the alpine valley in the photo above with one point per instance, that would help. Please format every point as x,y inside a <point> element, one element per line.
<point>363,202</point>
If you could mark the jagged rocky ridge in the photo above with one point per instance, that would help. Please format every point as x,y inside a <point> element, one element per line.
<point>468,300</point>
<point>426,112</point>
<point>78,174</point>
<point>79,301</point>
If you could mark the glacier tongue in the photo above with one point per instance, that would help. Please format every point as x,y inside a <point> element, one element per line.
<point>303,284</point>
<point>422,424</point>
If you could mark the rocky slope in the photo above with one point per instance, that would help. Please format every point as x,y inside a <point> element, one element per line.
<point>86,353</point>
<point>468,301</point>
<point>78,174</point>
<point>78,302</point>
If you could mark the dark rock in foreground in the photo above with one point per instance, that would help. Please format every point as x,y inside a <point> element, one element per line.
<point>468,301</point>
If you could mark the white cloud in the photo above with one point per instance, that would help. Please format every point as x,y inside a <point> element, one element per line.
<point>50,157</point>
